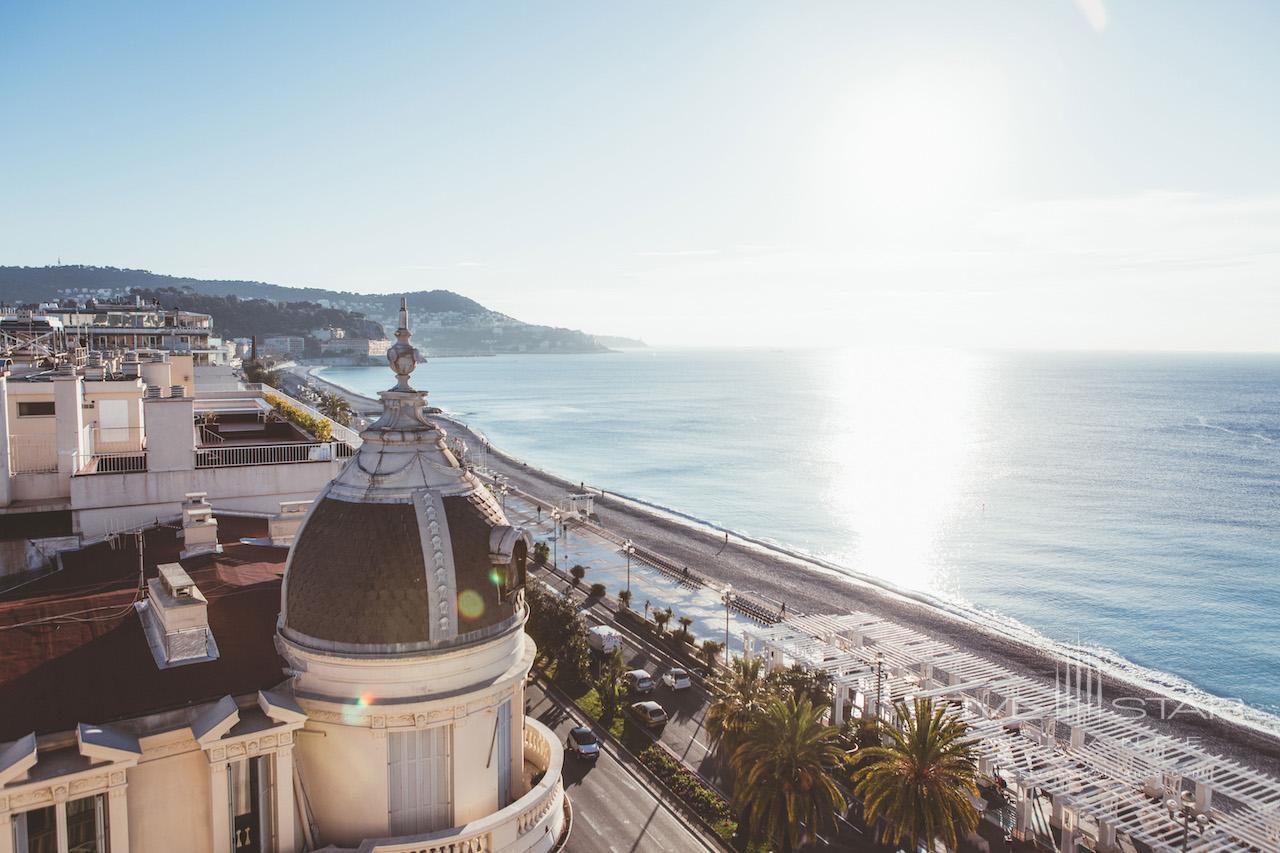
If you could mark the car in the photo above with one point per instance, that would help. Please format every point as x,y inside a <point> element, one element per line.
<point>583,743</point>
<point>677,679</point>
<point>649,714</point>
<point>638,682</point>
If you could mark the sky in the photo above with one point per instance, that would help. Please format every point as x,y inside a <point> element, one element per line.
<point>1066,174</point>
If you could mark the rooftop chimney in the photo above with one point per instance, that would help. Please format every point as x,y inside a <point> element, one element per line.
<point>175,618</point>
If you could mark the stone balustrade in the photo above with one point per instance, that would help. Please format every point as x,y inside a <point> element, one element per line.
<point>531,824</point>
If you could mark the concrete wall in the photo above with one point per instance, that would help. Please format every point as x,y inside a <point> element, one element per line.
<point>105,502</point>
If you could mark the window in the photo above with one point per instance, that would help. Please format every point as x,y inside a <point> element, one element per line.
<point>418,778</point>
<point>249,793</point>
<point>85,821</point>
<point>32,410</point>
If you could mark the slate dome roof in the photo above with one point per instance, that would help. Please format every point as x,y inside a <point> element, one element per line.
<point>404,551</point>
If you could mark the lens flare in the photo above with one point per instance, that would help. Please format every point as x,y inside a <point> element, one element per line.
<point>470,604</point>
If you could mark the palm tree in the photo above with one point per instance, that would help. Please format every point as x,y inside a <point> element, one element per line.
<point>624,598</point>
<point>578,571</point>
<point>709,651</point>
<point>662,617</point>
<point>335,407</point>
<point>918,785</point>
<point>609,686</point>
<point>785,786</point>
<point>685,622</point>
<point>739,697</point>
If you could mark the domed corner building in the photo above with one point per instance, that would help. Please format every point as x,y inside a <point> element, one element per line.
<point>402,615</point>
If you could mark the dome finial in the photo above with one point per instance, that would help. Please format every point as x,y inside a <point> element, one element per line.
<point>401,355</point>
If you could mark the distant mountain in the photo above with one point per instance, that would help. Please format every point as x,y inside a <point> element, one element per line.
<point>444,323</point>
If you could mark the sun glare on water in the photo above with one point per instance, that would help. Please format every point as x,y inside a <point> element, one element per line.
<point>906,427</point>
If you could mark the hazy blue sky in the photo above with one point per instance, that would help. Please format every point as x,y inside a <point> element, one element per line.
<point>1022,173</point>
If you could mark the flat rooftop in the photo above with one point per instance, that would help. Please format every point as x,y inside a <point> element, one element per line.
<point>72,647</point>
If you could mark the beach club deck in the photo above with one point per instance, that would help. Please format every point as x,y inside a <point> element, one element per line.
<point>1071,773</point>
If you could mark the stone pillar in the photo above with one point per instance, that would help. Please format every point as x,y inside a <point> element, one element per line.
<point>68,398</point>
<point>118,819</point>
<point>1106,836</point>
<point>6,486</point>
<point>285,818</point>
<point>219,806</point>
<point>6,832</point>
<point>1204,796</point>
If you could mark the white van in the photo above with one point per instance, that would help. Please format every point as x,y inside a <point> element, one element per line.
<point>603,639</point>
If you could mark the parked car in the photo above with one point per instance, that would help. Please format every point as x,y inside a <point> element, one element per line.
<point>676,679</point>
<point>649,714</point>
<point>583,743</point>
<point>603,639</point>
<point>638,682</point>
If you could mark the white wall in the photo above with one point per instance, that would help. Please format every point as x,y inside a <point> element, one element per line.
<point>105,502</point>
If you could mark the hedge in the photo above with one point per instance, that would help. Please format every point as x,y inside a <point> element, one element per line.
<point>320,428</point>
<point>708,804</point>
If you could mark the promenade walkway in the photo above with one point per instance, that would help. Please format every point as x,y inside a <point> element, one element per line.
<point>606,563</point>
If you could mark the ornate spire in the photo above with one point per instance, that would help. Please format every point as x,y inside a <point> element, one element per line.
<point>401,355</point>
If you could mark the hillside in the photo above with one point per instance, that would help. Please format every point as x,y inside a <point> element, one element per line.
<point>241,318</point>
<point>445,323</point>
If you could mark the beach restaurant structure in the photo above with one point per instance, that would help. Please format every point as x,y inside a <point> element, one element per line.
<point>1059,767</point>
<point>371,699</point>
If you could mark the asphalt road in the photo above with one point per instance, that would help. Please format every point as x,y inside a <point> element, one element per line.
<point>612,811</point>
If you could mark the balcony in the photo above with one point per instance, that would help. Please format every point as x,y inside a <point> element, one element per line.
<point>33,454</point>
<point>235,455</point>
<point>538,822</point>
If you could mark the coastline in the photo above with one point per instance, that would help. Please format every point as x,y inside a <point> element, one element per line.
<point>807,583</point>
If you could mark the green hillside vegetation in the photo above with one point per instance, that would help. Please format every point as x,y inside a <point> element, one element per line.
<point>241,318</point>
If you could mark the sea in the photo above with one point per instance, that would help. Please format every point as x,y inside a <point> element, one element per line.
<point>1122,506</point>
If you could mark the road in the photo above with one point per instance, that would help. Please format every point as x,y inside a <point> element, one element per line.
<point>613,812</point>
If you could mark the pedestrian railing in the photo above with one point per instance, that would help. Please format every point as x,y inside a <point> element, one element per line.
<point>228,456</point>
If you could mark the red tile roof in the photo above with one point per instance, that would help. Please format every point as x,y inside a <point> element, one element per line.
<point>72,647</point>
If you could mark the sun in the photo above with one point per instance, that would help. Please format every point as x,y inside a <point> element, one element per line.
<point>924,140</point>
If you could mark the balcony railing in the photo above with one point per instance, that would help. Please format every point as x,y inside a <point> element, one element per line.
<point>533,818</point>
<point>33,454</point>
<point>124,462</point>
<point>229,456</point>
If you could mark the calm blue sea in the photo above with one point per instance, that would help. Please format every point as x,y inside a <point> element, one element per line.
<point>1127,503</point>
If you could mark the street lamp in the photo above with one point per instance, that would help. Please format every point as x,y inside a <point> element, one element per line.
<point>727,597</point>
<point>555,536</point>
<point>628,549</point>
<point>1184,809</point>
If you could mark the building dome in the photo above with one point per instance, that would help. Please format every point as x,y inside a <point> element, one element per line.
<point>404,551</point>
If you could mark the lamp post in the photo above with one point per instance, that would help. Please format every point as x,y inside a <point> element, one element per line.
<point>1184,809</point>
<point>555,536</point>
<point>727,597</point>
<point>628,549</point>
<point>502,495</point>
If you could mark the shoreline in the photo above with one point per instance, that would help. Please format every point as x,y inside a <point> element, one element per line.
<point>808,583</point>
